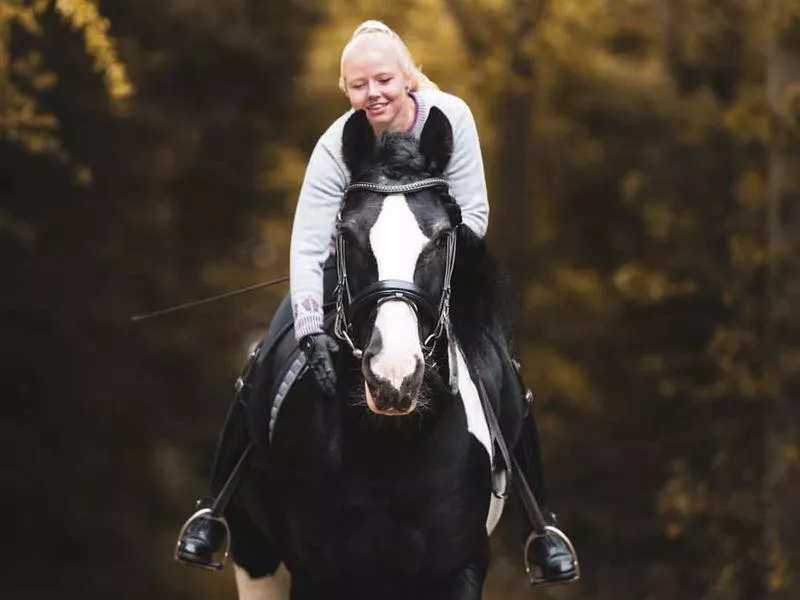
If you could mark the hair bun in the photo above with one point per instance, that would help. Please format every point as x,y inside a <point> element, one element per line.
<point>372,26</point>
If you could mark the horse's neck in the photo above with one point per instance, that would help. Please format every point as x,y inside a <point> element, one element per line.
<point>471,400</point>
<point>483,352</point>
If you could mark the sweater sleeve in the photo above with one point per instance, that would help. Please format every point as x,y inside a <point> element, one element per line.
<point>465,172</point>
<point>312,231</point>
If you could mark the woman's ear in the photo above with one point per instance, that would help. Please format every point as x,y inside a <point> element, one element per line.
<point>358,142</point>
<point>436,139</point>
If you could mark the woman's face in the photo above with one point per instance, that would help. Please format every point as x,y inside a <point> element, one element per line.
<point>374,81</point>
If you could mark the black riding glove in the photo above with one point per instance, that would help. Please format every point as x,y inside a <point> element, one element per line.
<point>318,348</point>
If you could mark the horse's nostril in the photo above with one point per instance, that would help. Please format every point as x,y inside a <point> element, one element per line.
<point>404,402</point>
<point>383,402</point>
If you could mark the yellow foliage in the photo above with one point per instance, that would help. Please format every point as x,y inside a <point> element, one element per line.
<point>731,349</point>
<point>282,172</point>
<point>681,498</point>
<point>778,575</point>
<point>553,375</point>
<point>21,120</point>
<point>427,29</point>
<point>83,15</point>
<point>750,190</point>
<point>727,343</point>
<point>785,21</point>
<point>659,219</point>
<point>631,184</point>
<point>747,253</point>
<point>647,285</point>
<point>748,118</point>
<point>583,287</point>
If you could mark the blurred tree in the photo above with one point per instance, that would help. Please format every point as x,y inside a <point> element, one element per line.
<point>783,433</point>
<point>118,423</point>
<point>644,307</point>
<point>22,76</point>
<point>626,149</point>
<point>504,34</point>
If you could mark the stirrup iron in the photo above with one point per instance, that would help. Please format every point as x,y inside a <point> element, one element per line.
<point>213,565</point>
<point>537,579</point>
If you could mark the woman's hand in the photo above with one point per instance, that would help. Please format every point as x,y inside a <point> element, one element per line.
<point>319,348</point>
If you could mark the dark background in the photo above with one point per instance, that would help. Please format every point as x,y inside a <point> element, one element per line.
<point>642,160</point>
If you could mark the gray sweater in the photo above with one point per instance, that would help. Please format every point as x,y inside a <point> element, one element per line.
<point>327,176</point>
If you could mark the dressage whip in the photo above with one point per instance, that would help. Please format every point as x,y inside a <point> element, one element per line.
<point>172,309</point>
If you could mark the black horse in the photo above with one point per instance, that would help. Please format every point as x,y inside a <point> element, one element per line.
<point>391,488</point>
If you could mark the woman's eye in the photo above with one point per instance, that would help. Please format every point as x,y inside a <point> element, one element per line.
<point>385,80</point>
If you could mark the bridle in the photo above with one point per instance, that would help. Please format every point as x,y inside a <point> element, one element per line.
<point>381,291</point>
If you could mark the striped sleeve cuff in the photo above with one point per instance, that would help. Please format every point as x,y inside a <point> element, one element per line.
<point>306,323</point>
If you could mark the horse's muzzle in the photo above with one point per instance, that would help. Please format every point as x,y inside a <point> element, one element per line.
<point>388,401</point>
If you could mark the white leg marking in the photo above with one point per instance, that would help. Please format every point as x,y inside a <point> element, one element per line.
<point>396,241</point>
<point>477,426</point>
<point>266,588</point>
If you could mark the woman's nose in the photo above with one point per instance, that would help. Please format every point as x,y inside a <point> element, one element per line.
<point>372,90</point>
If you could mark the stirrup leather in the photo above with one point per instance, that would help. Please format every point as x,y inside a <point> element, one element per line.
<point>536,578</point>
<point>213,565</point>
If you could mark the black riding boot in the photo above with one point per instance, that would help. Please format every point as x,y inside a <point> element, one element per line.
<point>551,554</point>
<point>204,534</point>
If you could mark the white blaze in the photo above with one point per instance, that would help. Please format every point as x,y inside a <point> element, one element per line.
<point>397,242</point>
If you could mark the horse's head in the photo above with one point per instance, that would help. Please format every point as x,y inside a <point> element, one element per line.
<point>395,253</point>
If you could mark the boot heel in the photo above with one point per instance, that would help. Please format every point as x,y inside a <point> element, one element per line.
<point>537,577</point>
<point>192,559</point>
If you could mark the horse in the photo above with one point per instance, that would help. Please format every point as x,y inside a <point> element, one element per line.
<point>391,488</point>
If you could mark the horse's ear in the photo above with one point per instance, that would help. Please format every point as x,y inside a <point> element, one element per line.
<point>436,139</point>
<point>358,142</point>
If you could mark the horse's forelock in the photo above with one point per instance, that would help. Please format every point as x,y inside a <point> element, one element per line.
<point>397,158</point>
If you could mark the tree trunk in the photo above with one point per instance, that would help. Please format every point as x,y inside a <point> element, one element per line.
<point>782,476</point>
<point>513,162</point>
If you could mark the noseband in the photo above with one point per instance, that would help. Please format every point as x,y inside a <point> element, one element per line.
<point>438,310</point>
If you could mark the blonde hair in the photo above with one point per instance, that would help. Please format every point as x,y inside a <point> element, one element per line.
<point>372,28</point>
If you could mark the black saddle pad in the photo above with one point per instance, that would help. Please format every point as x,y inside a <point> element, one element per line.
<point>273,372</point>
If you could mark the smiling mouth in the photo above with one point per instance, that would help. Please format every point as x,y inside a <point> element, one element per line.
<point>377,107</point>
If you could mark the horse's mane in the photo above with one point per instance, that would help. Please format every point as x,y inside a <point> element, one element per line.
<point>478,305</point>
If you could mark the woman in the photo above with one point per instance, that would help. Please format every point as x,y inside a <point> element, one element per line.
<point>378,76</point>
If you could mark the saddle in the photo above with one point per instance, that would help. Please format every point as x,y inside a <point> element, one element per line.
<point>269,376</point>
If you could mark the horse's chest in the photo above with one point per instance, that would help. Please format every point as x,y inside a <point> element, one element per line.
<point>428,519</point>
